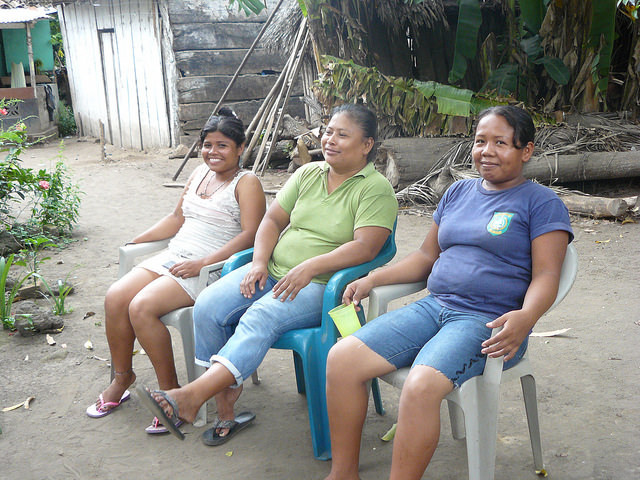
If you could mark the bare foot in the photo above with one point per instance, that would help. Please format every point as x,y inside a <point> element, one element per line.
<point>187,406</point>
<point>225,402</point>
<point>113,393</point>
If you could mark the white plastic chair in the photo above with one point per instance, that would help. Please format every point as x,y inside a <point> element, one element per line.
<point>181,319</point>
<point>473,408</point>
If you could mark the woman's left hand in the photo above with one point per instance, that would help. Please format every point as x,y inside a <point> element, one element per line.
<point>516,326</point>
<point>186,269</point>
<point>295,280</point>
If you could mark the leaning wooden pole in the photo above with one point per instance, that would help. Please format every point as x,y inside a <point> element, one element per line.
<point>233,80</point>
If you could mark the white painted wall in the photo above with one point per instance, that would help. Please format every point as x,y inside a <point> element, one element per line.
<point>115,69</point>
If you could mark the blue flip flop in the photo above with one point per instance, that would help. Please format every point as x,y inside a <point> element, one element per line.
<point>210,437</point>
<point>144,395</point>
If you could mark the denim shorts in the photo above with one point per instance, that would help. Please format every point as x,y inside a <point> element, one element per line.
<point>427,333</point>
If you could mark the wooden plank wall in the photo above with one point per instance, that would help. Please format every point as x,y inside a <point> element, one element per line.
<point>115,68</point>
<point>210,39</point>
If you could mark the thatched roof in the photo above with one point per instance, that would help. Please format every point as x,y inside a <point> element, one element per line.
<point>396,15</point>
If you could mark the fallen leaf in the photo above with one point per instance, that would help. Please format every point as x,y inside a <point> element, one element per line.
<point>387,437</point>
<point>229,453</point>
<point>542,473</point>
<point>88,345</point>
<point>628,220</point>
<point>28,401</point>
<point>100,358</point>
<point>50,340</point>
<point>603,241</point>
<point>26,359</point>
<point>63,345</point>
<point>552,333</point>
<point>13,407</point>
<point>88,314</point>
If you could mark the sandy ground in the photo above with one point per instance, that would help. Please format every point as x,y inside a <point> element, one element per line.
<point>588,385</point>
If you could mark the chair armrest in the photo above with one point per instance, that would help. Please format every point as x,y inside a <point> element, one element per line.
<point>203,279</point>
<point>128,253</point>
<point>380,297</point>
<point>237,260</point>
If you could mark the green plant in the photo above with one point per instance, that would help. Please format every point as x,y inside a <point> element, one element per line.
<point>16,182</point>
<point>57,203</point>
<point>58,297</point>
<point>66,121</point>
<point>8,295</point>
<point>29,256</point>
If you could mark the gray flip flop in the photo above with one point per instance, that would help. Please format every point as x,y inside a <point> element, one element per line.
<point>242,420</point>
<point>144,395</point>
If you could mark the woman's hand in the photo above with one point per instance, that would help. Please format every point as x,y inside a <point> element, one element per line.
<point>258,274</point>
<point>516,326</point>
<point>295,280</point>
<point>356,291</point>
<point>186,269</point>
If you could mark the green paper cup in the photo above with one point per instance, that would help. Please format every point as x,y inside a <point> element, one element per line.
<point>345,318</point>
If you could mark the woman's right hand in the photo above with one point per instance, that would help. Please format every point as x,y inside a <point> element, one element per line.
<point>258,274</point>
<point>356,291</point>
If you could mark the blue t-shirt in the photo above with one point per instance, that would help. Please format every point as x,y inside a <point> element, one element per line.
<point>485,237</point>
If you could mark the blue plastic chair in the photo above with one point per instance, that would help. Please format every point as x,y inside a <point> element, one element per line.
<point>311,346</point>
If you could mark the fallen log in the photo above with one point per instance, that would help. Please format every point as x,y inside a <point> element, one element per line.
<point>596,207</point>
<point>405,160</point>
<point>583,167</point>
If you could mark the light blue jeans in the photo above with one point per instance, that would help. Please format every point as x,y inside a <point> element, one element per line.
<point>427,333</point>
<point>238,332</point>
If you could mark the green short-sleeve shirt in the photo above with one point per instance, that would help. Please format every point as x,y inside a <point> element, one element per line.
<point>320,223</point>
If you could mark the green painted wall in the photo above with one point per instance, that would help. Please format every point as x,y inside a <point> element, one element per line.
<point>15,46</point>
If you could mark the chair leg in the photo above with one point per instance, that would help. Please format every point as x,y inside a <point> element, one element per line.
<point>314,376</point>
<point>456,417</point>
<point>531,406</point>
<point>201,417</point>
<point>255,378</point>
<point>481,427</point>
<point>299,368</point>
<point>377,397</point>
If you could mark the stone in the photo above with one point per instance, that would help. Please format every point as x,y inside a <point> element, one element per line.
<point>32,319</point>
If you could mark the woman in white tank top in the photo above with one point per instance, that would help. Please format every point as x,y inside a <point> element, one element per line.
<point>217,215</point>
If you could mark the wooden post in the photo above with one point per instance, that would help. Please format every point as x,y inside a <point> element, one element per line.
<point>32,67</point>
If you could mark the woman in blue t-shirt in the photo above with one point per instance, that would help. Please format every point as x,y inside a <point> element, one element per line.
<point>492,258</point>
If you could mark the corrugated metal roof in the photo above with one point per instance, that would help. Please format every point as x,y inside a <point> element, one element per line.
<point>21,15</point>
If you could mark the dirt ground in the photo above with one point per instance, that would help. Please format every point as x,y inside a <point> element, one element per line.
<point>588,378</point>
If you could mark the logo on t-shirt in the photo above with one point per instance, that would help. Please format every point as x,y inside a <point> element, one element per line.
<point>499,223</point>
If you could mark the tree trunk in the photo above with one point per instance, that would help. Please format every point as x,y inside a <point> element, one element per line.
<point>408,159</point>
<point>596,207</point>
<point>584,166</point>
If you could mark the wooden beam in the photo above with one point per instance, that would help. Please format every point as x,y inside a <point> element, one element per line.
<point>32,67</point>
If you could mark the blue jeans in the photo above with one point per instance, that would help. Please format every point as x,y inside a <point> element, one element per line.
<point>427,333</point>
<point>238,332</point>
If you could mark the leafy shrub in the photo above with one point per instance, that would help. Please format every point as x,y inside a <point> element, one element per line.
<point>66,122</point>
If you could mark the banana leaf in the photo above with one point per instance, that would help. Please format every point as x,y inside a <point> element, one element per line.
<point>601,37</point>
<point>469,21</point>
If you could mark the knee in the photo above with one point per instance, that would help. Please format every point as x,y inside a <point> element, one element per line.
<point>425,385</point>
<point>343,363</point>
<point>140,309</point>
<point>116,300</point>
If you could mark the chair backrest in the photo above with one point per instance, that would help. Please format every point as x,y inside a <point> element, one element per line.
<point>567,275</point>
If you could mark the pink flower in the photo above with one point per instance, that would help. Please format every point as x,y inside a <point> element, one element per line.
<point>4,111</point>
<point>44,184</point>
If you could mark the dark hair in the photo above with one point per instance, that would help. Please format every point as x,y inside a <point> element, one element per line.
<point>227,123</point>
<point>365,119</point>
<point>524,130</point>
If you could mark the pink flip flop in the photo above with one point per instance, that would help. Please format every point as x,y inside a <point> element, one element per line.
<point>157,428</point>
<point>105,408</point>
